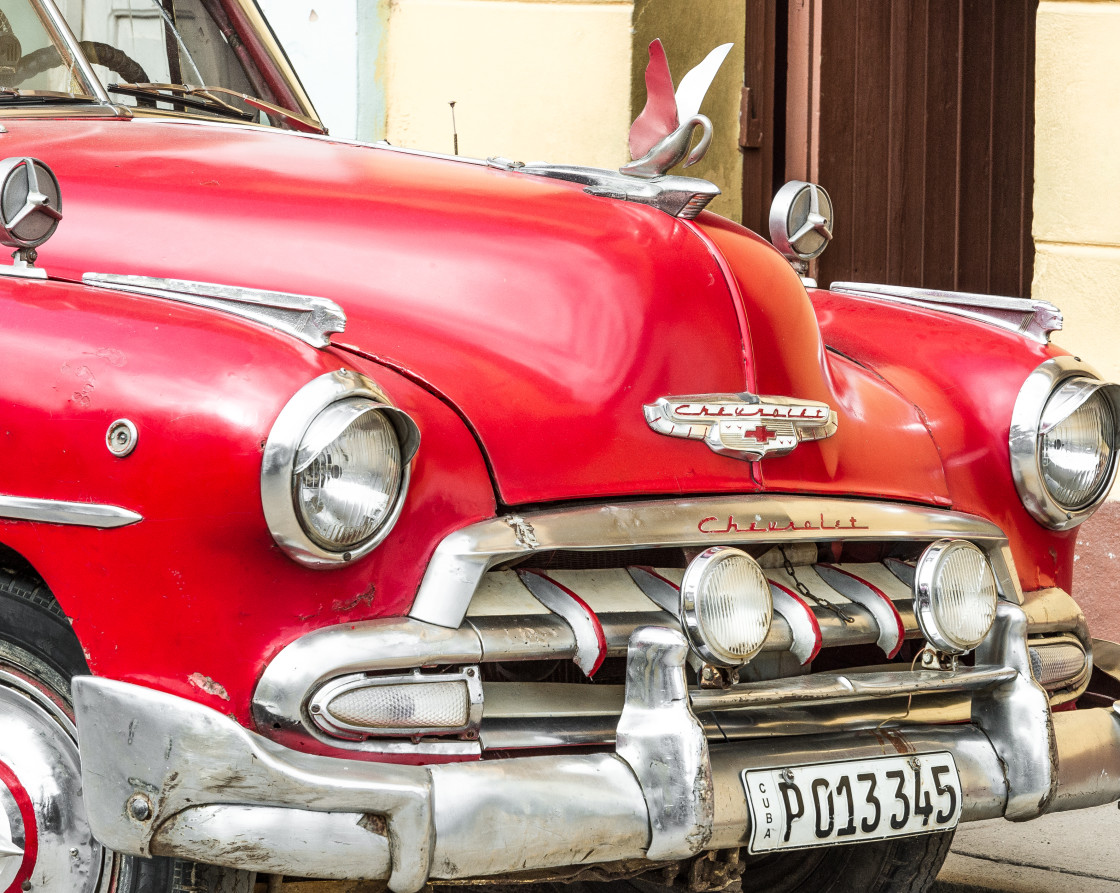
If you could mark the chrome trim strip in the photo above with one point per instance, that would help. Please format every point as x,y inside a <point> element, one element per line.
<point>1023,441</point>
<point>1024,316</point>
<point>310,319</point>
<point>57,511</point>
<point>464,556</point>
<point>591,642</point>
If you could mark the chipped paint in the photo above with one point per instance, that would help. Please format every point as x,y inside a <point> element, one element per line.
<point>208,685</point>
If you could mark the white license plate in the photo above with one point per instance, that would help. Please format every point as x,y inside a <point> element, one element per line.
<point>798,807</point>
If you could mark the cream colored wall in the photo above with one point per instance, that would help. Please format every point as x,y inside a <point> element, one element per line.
<point>555,80</point>
<point>532,80</point>
<point>1077,175</point>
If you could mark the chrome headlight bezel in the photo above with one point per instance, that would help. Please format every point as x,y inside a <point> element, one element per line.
<point>1025,441</point>
<point>278,496</point>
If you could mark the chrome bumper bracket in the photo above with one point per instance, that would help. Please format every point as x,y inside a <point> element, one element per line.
<point>665,744</point>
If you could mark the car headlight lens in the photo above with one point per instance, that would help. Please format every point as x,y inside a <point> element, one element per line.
<point>954,595</point>
<point>1065,434</point>
<point>347,474</point>
<point>335,470</point>
<point>1076,452</point>
<point>726,606</point>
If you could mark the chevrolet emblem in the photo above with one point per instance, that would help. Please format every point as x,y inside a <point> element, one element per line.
<point>744,426</point>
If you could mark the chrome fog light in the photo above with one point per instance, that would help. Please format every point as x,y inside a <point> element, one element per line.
<point>954,595</point>
<point>726,606</point>
<point>356,707</point>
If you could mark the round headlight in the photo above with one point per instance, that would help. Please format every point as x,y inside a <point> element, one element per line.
<point>336,469</point>
<point>1065,429</point>
<point>1076,449</point>
<point>725,606</point>
<point>347,474</point>
<point>954,595</point>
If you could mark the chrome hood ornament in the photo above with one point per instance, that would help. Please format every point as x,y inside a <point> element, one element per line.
<point>743,426</point>
<point>661,135</point>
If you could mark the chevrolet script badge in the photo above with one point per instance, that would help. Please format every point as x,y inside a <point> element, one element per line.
<point>744,426</point>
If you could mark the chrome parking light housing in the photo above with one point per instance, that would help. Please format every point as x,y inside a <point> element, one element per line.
<point>325,499</point>
<point>726,606</point>
<point>362,706</point>
<point>1065,430</point>
<point>955,595</point>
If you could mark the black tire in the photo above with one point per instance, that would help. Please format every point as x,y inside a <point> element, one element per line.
<point>903,865</point>
<point>37,641</point>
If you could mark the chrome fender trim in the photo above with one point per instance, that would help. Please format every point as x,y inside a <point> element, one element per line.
<point>57,511</point>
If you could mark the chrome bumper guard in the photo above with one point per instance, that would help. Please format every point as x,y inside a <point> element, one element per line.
<point>166,776</point>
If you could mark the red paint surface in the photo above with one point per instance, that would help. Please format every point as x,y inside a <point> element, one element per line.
<point>788,359</point>
<point>198,587</point>
<point>519,313</point>
<point>965,376</point>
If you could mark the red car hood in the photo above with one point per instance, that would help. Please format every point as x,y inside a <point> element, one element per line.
<point>545,316</point>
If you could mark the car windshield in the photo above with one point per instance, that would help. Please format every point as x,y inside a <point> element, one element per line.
<point>168,55</point>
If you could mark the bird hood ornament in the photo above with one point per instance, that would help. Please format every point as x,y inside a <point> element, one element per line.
<point>661,135</point>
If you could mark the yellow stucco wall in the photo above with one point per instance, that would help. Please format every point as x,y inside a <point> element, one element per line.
<point>533,80</point>
<point>1077,175</point>
<point>555,80</point>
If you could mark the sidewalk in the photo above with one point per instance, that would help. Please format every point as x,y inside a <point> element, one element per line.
<point>1072,852</point>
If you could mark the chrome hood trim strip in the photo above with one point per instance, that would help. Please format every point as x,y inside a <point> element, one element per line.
<point>310,319</point>
<point>1030,318</point>
<point>464,556</point>
<point>77,514</point>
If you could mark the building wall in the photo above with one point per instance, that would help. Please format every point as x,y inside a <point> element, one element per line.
<point>1077,232</point>
<point>531,80</point>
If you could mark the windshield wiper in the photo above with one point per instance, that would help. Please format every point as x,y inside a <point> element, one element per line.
<point>184,94</point>
<point>31,96</point>
<point>181,94</point>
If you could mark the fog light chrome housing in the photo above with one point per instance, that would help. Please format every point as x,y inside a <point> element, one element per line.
<point>358,707</point>
<point>726,607</point>
<point>955,595</point>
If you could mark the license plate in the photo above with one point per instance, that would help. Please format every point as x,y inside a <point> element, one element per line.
<point>798,807</point>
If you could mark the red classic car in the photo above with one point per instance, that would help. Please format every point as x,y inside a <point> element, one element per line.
<point>371,514</point>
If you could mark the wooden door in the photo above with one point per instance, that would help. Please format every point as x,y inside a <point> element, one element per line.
<point>918,117</point>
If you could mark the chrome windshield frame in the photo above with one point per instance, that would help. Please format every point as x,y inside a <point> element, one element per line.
<point>69,48</point>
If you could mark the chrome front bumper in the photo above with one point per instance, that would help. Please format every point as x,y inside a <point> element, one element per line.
<point>165,776</point>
